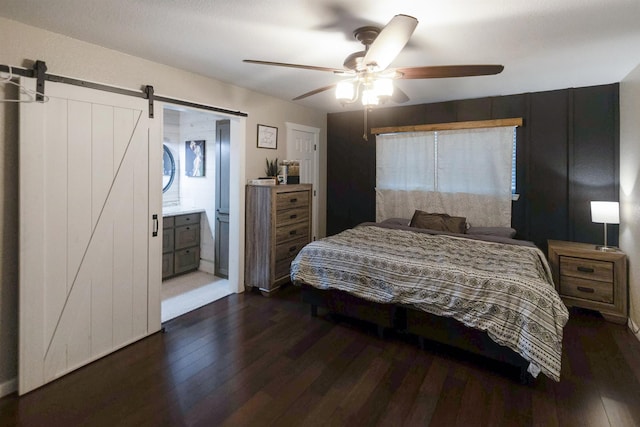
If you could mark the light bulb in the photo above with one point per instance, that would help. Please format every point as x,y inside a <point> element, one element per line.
<point>383,87</point>
<point>369,97</point>
<point>344,90</point>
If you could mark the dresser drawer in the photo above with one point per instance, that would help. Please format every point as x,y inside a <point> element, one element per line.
<point>587,269</point>
<point>293,199</point>
<point>283,267</point>
<point>187,219</point>
<point>291,232</point>
<point>292,216</point>
<point>290,249</point>
<point>593,290</point>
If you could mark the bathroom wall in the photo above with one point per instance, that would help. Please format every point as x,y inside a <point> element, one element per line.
<point>199,192</point>
<point>187,192</point>
<point>171,138</point>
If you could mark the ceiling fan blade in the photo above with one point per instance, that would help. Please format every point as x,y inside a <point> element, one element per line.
<point>388,44</point>
<point>443,71</point>
<point>304,67</point>
<point>399,96</point>
<point>313,92</point>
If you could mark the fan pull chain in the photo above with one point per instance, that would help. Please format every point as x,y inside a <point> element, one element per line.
<point>364,135</point>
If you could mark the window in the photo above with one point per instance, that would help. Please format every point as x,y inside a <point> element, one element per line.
<point>477,161</point>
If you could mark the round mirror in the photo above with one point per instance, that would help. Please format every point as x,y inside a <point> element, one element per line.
<point>168,168</point>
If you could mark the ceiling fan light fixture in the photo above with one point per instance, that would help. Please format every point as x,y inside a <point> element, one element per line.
<point>369,97</point>
<point>345,91</point>
<point>383,88</point>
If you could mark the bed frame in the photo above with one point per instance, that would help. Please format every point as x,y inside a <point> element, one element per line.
<point>424,325</point>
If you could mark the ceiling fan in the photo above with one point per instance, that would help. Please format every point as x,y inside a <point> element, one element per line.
<point>368,77</point>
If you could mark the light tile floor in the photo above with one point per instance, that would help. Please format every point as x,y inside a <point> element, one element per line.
<point>187,292</point>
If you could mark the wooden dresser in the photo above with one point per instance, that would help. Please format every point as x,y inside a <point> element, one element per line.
<point>589,278</point>
<point>278,225</point>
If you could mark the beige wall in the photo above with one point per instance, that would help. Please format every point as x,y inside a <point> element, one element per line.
<point>630,187</point>
<point>64,56</point>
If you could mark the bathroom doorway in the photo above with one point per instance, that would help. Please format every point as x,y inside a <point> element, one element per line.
<point>195,189</point>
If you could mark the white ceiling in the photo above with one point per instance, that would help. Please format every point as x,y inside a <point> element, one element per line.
<point>543,44</point>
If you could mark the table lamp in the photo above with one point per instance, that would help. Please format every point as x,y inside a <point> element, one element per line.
<point>606,213</point>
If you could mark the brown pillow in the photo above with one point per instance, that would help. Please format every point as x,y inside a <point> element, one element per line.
<point>438,221</point>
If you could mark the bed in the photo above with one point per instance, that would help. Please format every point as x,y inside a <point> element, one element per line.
<point>484,293</point>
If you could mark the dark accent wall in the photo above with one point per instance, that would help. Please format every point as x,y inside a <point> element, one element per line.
<point>567,155</point>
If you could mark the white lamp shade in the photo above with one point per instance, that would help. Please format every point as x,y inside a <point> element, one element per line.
<point>383,87</point>
<point>369,97</point>
<point>605,212</point>
<point>345,90</point>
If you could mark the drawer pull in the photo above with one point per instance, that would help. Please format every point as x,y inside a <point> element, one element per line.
<point>293,232</point>
<point>293,248</point>
<point>294,216</point>
<point>585,269</point>
<point>293,200</point>
<point>587,290</point>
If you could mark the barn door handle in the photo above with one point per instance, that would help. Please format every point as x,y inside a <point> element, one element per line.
<point>154,217</point>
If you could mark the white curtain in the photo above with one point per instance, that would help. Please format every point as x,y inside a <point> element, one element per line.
<point>475,161</point>
<point>462,173</point>
<point>404,161</point>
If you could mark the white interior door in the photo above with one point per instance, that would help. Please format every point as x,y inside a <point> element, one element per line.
<point>302,144</point>
<point>90,269</point>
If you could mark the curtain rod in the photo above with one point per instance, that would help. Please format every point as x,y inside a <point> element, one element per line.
<point>476,124</point>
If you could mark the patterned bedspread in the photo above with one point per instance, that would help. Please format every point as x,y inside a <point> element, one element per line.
<point>504,289</point>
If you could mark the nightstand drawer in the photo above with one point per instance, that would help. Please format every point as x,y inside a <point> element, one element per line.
<point>587,269</point>
<point>587,289</point>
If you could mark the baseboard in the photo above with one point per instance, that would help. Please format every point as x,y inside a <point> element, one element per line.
<point>8,387</point>
<point>634,328</point>
<point>207,266</point>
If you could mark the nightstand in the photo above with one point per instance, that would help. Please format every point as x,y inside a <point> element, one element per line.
<point>589,278</point>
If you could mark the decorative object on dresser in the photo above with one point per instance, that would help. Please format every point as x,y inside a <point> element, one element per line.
<point>272,169</point>
<point>590,278</point>
<point>180,244</point>
<point>606,213</point>
<point>278,225</point>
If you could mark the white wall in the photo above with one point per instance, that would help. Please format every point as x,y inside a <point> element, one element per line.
<point>630,187</point>
<point>65,56</point>
<point>171,138</point>
<point>200,192</point>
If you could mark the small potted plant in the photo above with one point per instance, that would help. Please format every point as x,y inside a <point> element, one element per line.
<point>272,169</point>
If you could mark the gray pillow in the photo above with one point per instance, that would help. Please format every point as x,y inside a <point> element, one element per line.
<point>438,221</point>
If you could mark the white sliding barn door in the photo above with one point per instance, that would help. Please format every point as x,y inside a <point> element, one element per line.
<point>89,267</point>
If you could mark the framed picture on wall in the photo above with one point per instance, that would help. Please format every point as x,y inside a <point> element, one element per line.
<point>267,137</point>
<point>194,158</point>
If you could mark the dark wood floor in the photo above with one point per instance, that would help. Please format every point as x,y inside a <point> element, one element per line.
<point>251,360</point>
